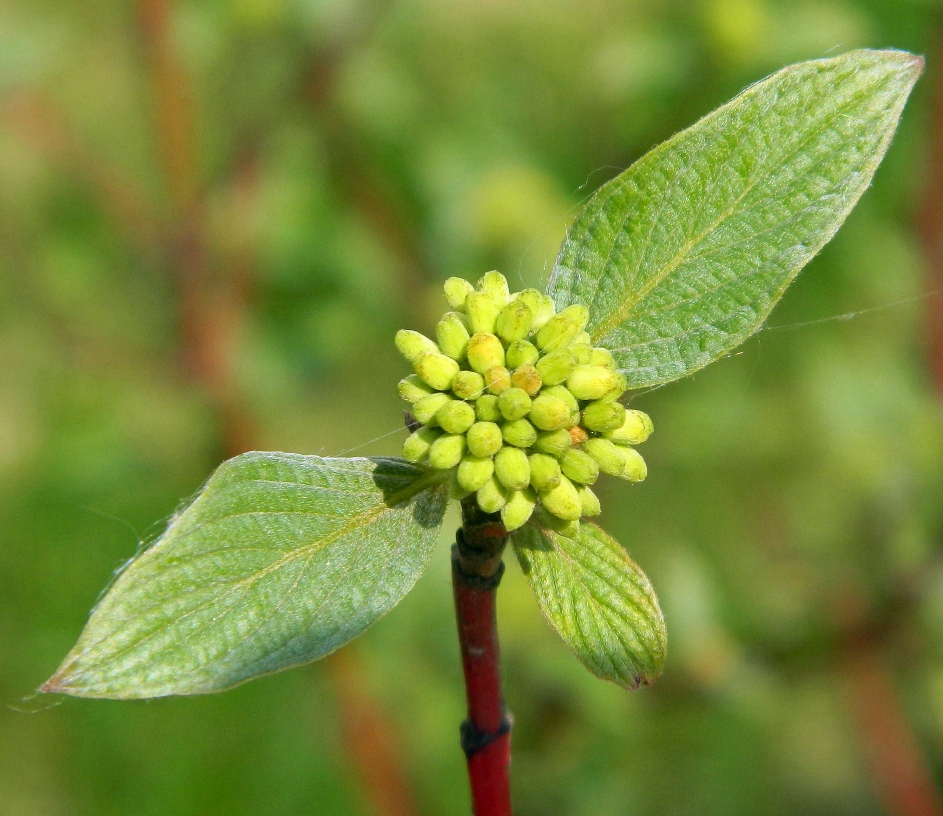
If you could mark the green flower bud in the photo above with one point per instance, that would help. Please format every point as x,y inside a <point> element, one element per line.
<point>531,297</point>
<point>492,496</point>
<point>482,312</point>
<point>563,501</point>
<point>527,378</point>
<point>618,389</point>
<point>549,412</point>
<point>484,439</point>
<point>607,456</point>
<point>518,509</point>
<point>416,447</point>
<point>436,370</point>
<point>497,379</point>
<point>412,389</point>
<point>521,353</point>
<point>514,321</point>
<point>411,344</point>
<point>556,366</point>
<point>563,393</point>
<point>582,353</point>
<point>452,335</point>
<point>447,451</point>
<point>474,471</point>
<point>511,468</point>
<point>468,385</point>
<point>486,409</point>
<point>544,312</point>
<point>456,491</point>
<point>519,433</point>
<point>589,501</point>
<point>634,431</point>
<point>456,290</point>
<point>514,403</point>
<point>544,471</point>
<point>635,469</point>
<point>426,409</point>
<point>587,382</point>
<point>602,357</point>
<point>603,415</point>
<point>495,285</point>
<point>561,329</point>
<point>583,339</point>
<point>484,351</point>
<point>579,466</point>
<point>553,443</point>
<point>455,417</point>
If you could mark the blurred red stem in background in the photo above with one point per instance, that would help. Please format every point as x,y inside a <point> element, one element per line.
<point>212,311</point>
<point>486,734</point>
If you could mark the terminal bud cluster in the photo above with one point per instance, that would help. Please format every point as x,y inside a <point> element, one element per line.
<point>513,398</point>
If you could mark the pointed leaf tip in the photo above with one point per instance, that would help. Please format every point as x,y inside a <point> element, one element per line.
<point>280,560</point>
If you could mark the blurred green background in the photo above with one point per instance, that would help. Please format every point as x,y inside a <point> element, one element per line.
<point>213,218</point>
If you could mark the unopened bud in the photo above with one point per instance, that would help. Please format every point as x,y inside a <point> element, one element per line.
<point>519,433</point>
<point>456,491</point>
<point>447,451</point>
<point>416,447</point>
<point>561,329</point>
<point>514,403</point>
<point>474,471</point>
<point>589,501</point>
<point>563,501</point>
<point>456,290</point>
<point>634,469</point>
<point>544,312</point>
<point>411,344</point>
<point>514,321</point>
<point>497,379</point>
<point>436,370</point>
<point>521,353</point>
<point>468,385</point>
<point>548,412</point>
<point>455,417</point>
<point>556,366</point>
<point>528,379</point>
<point>452,335</point>
<point>582,353</point>
<point>428,407</point>
<point>486,408</point>
<point>634,431</point>
<point>607,456</point>
<point>495,285</point>
<point>554,443</point>
<point>412,389</point>
<point>511,468</point>
<point>482,312</point>
<point>484,351</point>
<point>563,393</point>
<point>587,382</point>
<point>491,496</point>
<point>583,338</point>
<point>602,357</point>
<point>518,509</point>
<point>618,389</point>
<point>544,472</point>
<point>579,466</point>
<point>484,439</point>
<point>603,415</point>
<point>532,298</point>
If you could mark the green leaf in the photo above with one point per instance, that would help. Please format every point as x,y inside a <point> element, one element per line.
<point>682,257</point>
<point>280,560</point>
<point>597,599</point>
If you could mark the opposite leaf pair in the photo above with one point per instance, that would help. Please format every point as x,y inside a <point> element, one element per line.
<point>284,558</point>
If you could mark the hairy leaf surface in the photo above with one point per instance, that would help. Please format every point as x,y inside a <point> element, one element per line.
<point>280,560</point>
<point>597,599</point>
<point>682,257</point>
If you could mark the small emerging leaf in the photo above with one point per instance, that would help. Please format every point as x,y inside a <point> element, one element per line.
<point>280,560</point>
<point>682,257</point>
<point>598,601</point>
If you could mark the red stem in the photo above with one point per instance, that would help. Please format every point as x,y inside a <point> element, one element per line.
<point>486,734</point>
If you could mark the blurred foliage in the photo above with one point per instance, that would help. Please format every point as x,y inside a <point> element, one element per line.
<point>346,157</point>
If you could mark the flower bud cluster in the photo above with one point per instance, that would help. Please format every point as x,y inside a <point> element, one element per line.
<point>513,397</point>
